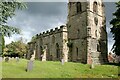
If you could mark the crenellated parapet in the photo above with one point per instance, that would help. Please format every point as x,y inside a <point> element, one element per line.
<point>52,31</point>
<point>56,30</point>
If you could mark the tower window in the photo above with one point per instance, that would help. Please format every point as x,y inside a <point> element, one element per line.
<point>79,7</point>
<point>69,26</point>
<point>98,47</point>
<point>96,21</point>
<point>77,51</point>
<point>70,4</point>
<point>95,7</point>
<point>96,33</point>
<point>78,33</point>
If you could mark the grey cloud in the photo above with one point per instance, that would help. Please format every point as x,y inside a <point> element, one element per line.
<point>110,9</point>
<point>40,17</point>
<point>47,8</point>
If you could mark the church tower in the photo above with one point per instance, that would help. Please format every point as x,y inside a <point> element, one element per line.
<point>87,31</point>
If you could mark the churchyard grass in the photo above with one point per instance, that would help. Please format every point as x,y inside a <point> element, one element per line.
<point>54,69</point>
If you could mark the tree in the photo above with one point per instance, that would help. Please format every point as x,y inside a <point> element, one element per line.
<point>16,48</point>
<point>115,30</point>
<point>33,38</point>
<point>7,10</point>
<point>3,43</point>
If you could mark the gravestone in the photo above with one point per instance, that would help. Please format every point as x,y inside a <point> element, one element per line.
<point>29,65</point>
<point>0,59</point>
<point>6,59</point>
<point>30,62</point>
<point>17,59</point>
<point>62,61</point>
<point>92,66</point>
<point>24,56</point>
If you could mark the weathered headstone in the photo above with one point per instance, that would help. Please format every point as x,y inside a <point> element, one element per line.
<point>17,59</point>
<point>29,65</point>
<point>0,59</point>
<point>62,61</point>
<point>92,66</point>
<point>24,56</point>
<point>6,59</point>
<point>30,62</point>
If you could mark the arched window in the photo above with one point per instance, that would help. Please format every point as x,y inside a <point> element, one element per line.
<point>78,33</point>
<point>53,39</point>
<point>70,3</point>
<point>79,7</point>
<point>95,6</point>
<point>77,51</point>
<point>96,33</point>
<point>98,47</point>
<point>57,50</point>
<point>41,52</point>
<point>96,21</point>
<point>89,32</point>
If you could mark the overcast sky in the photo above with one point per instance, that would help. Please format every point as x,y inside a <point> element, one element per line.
<point>42,16</point>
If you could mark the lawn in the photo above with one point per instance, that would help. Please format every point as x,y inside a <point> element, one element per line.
<point>51,69</point>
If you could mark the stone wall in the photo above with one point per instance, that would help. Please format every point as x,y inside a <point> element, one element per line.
<point>52,44</point>
<point>97,50</point>
<point>77,32</point>
<point>87,32</point>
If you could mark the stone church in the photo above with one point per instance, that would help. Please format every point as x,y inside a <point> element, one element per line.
<point>83,39</point>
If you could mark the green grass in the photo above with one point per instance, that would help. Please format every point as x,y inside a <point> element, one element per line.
<point>50,69</point>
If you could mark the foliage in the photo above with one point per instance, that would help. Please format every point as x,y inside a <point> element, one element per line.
<point>17,47</point>
<point>115,30</point>
<point>52,69</point>
<point>33,38</point>
<point>70,44</point>
<point>7,10</point>
<point>3,43</point>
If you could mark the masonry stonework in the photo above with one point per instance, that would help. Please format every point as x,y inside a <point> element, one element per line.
<point>51,45</point>
<point>83,39</point>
